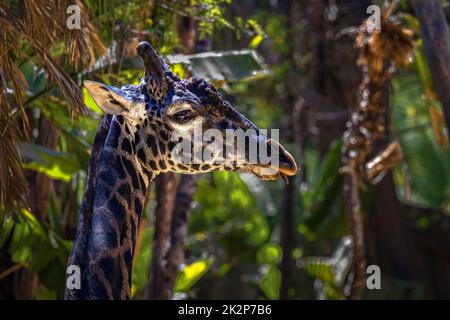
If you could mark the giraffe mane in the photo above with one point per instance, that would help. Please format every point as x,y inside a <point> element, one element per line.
<point>87,205</point>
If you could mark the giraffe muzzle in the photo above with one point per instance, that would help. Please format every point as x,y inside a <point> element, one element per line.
<point>283,168</point>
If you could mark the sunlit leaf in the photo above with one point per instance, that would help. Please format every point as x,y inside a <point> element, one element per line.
<point>141,265</point>
<point>191,274</point>
<point>269,253</point>
<point>232,214</point>
<point>320,268</point>
<point>5,228</point>
<point>178,69</point>
<point>256,41</point>
<point>90,103</point>
<point>44,252</point>
<point>427,165</point>
<point>56,165</point>
<point>271,282</point>
<point>436,116</point>
<point>224,268</point>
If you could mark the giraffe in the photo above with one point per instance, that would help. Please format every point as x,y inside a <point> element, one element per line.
<point>132,146</point>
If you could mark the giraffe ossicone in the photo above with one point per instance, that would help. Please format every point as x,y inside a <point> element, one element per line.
<point>143,126</point>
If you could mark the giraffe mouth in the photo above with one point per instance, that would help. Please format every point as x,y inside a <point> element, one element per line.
<point>284,168</point>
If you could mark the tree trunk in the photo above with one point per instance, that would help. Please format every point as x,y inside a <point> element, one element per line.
<point>435,34</point>
<point>287,239</point>
<point>188,183</point>
<point>165,196</point>
<point>391,242</point>
<point>21,284</point>
<point>173,226</point>
<point>175,256</point>
<point>40,190</point>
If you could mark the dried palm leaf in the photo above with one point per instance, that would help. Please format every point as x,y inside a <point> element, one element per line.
<point>380,50</point>
<point>384,161</point>
<point>27,29</point>
<point>12,180</point>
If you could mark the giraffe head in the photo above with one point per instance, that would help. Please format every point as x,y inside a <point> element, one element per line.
<point>160,114</point>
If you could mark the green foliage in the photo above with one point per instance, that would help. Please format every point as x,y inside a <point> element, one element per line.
<point>232,214</point>
<point>269,253</point>
<point>233,241</point>
<point>322,197</point>
<point>66,165</point>
<point>320,268</point>
<point>90,103</point>
<point>191,273</point>
<point>142,263</point>
<point>427,165</point>
<point>330,272</point>
<point>36,79</point>
<point>269,256</point>
<point>41,249</point>
<point>240,227</point>
<point>56,165</point>
<point>271,281</point>
<point>212,13</point>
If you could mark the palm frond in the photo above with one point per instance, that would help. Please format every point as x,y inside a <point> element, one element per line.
<point>13,184</point>
<point>28,29</point>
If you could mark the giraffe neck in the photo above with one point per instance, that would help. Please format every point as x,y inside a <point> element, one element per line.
<point>107,245</point>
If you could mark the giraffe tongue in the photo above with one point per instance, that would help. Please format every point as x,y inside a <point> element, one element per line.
<point>284,177</point>
<point>286,166</point>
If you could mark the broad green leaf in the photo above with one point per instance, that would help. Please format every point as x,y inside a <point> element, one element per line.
<point>269,253</point>
<point>77,146</point>
<point>427,165</point>
<point>332,292</point>
<point>43,251</point>
<point>422,68</point>
<point>141,263</point>
<point>319,268</point>
<point>271,282</point>
<point>224,268</point>
<point>436,117</point>
<point>53,275</point>
<point>256,41</point>
<point>56,165</point>
<point>324,204</point>
<point>43,293</point>
<point>191,274</point>
<point>6,228</point>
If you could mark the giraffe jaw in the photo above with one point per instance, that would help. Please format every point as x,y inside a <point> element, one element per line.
<point>287,166</point>
<point>271,177</point>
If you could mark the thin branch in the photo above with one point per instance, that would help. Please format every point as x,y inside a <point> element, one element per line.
<point>12,269</point>
<point>435,34</point>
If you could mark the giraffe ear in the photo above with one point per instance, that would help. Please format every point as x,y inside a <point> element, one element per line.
<point>110,99</point>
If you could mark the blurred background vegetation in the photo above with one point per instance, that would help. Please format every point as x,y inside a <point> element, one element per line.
<point>285,64</point>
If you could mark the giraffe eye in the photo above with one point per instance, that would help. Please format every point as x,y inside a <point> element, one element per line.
<point>183,116</point>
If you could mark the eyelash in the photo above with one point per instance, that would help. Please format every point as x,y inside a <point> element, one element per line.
<point>183,116</point>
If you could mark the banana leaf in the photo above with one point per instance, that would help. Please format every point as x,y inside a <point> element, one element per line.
<point>427,165</point>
